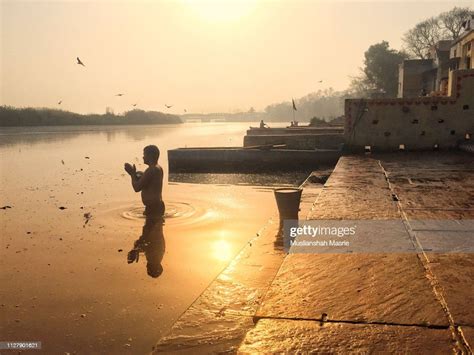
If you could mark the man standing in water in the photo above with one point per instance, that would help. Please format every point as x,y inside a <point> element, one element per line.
<point>150,183</point>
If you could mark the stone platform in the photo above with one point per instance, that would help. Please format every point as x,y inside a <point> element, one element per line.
<point>386,302</point>
<point>267,301</point>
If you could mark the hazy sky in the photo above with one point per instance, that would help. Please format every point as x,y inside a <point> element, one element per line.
<point>203,56</point>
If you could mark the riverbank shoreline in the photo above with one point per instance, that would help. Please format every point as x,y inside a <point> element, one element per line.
<point>218,320</point>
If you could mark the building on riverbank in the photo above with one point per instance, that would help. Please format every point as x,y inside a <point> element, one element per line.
<point>430,76</point>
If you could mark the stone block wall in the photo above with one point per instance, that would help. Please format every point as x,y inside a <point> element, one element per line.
<point>420,123</point>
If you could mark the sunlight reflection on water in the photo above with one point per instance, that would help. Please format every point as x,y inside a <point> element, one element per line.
<point>222,250</point>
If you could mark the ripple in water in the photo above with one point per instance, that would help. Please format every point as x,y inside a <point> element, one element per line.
<point>176,212</point>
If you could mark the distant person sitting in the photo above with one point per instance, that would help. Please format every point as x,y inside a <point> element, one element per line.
<point>423,92</point>
<point>263,124</point>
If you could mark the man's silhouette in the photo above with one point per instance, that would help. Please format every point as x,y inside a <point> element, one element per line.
<point>150,184</point>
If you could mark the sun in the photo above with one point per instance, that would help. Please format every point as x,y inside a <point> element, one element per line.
<point>221,10</point>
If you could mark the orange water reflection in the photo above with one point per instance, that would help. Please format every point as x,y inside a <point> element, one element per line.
<point>221,248</point>
<point>72,278</point>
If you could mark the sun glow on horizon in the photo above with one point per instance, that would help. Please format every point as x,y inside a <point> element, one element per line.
<point>221,11</point>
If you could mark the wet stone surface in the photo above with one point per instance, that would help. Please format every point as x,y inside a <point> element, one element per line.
<point>388,288</point>
<point>468,334</point>
<point>417,291</point>
<point>436,193</point>
<point>219,319</point>
<point>396,303</point>
<point>271,336</point>
<point>357,189</point>
<point>433,186</point>
<point>455,275</point>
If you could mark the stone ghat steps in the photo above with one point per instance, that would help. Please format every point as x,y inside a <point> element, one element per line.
<point>378,302</point>
<point>268,302</point>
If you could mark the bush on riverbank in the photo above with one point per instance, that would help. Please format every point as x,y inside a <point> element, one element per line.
<point>324,122</point>
<point>11,116</point>
<point>317,122</point>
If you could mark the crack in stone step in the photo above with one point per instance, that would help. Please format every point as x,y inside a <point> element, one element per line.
<point>345,321</point>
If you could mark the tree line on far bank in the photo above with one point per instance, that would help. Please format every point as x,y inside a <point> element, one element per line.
<point>11,116</point>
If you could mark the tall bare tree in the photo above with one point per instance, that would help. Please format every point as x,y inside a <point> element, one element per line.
<point>452,20</point>
<point>447,25</point>
<point>422,37</point>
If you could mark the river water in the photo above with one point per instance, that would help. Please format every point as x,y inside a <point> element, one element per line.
<point>66,282</point>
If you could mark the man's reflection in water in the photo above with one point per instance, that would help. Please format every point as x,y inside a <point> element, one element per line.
<point>152,244</point>
<point>150,184</point>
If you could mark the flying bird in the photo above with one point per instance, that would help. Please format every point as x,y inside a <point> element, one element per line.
<point>80,62</point>
<point>60,102</point>
<point>320,81</point>
<point>134,105</point>
<point>168,106</point>
<point>185,110</point>
<point>119,95</point>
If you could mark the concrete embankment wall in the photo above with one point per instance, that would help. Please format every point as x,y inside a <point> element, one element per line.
<point>236,160</point>
<point>298,141</point>
<point>420,123</point>
<point>294,130</point>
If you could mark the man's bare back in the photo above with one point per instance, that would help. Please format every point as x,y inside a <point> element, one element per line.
<point>152,185</point>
